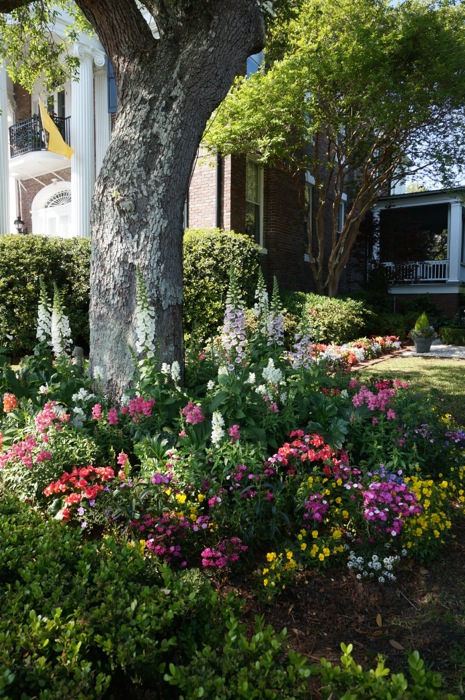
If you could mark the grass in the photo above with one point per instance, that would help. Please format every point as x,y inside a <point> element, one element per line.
<point>441,378</point>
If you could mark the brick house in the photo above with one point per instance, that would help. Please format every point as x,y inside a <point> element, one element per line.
<point>46,193</point>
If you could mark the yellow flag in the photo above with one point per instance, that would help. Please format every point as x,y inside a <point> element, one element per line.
<point>56,143</point>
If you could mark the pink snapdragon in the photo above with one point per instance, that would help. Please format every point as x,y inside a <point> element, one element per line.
<point>122,459</point>
<point>234,433</point>
<point>113,416</point>
<point>373,401</point>
<point>193,413</point>
<point>140,407</point>
<point>97,412</point>
<point>50,417</point>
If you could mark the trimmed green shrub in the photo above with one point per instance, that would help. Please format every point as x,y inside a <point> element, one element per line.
<point>208,256</point>
<point>334,320</point>
<point>452,336</point>
<point>23,260</point>
<point>80,618</point>
<point>389,323</point>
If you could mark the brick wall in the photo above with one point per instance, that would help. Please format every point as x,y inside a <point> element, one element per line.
<point>23,103</point>
<point>202,192</point>
<point>284,234</point>
<point>448,303</point>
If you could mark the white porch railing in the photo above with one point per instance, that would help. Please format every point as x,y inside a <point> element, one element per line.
<point>417,272</point>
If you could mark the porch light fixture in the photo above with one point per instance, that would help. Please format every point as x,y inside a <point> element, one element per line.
<point>19,224</point>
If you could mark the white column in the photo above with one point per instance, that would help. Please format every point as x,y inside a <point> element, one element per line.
<point>6,225</point>
<point>376,224</point>
<point>102,117</point>
<point>82,140</point>
<point>454,241</point>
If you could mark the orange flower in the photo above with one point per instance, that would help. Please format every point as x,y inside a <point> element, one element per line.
<point>9,402</point>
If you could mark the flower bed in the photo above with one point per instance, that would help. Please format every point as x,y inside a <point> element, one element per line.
<point>271,460</point>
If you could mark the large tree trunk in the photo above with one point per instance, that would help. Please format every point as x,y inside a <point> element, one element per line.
<point>167,94</point>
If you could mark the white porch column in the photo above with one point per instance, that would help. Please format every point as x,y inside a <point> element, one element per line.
<point>6,223</point>
<point>376,223</point>
<point>82,140</point>
<point>454,241</point>
<point>102,117</point>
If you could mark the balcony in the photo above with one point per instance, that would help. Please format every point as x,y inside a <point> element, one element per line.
<point>428,271</point>
<point>29,156</point>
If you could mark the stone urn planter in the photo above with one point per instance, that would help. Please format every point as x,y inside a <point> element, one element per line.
<point>423,344</point>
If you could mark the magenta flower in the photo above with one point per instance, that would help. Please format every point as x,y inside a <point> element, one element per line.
<point>193,413</point>
<point>234,433</point>
<point>97,412</point>
<point>122,459</point>
<point>113,416</point>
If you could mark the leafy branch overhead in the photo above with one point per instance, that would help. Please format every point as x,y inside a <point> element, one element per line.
<point>356,93</point>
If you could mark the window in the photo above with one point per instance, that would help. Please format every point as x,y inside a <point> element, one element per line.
<point>308,214</point>
<point>51,210</point>
<point>112,96</point>
<point>341,214</point>
<point>254,63</point>
<point>254,201</point>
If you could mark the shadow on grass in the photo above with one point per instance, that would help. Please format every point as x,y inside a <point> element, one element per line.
<point>443,379</point>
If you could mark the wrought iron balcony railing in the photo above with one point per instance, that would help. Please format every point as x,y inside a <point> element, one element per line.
<point>28,135</point>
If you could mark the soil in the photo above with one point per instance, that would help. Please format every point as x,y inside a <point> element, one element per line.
<point>423,610</point>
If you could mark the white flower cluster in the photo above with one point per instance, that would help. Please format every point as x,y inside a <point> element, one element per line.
<point>270,316</point>
<point>44,316</point>
<point>44,323</point>
<point>358,352</point>
<point>381,569</point>
<point>272,374</point>
<point>217,428</point>
<point>173,371</point>
<point>82,396</point>
<point>60,329</point>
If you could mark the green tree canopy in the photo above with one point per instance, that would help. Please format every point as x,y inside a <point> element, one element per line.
<point>357,93</point>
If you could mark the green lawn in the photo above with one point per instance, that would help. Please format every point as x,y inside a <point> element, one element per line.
<point>443,378</point>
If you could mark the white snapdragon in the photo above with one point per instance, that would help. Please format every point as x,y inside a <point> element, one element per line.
<point>176,372</point>
<point>251,378</point>
<point>165,369</point>
<point>217,428</point>
<point>272,374</point>
<point>210,385</point>
<point>82,395</point>
<point>60,329</point>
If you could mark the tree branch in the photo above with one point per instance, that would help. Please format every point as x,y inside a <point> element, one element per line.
<point>121,28</point>
<point>7,6</point>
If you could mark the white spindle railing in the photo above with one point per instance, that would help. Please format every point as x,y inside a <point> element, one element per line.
<point>417,272</point>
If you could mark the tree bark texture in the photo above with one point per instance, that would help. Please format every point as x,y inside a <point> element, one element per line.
<point>167,91</point>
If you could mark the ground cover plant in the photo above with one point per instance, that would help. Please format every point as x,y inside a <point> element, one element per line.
<point>269,466</point>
